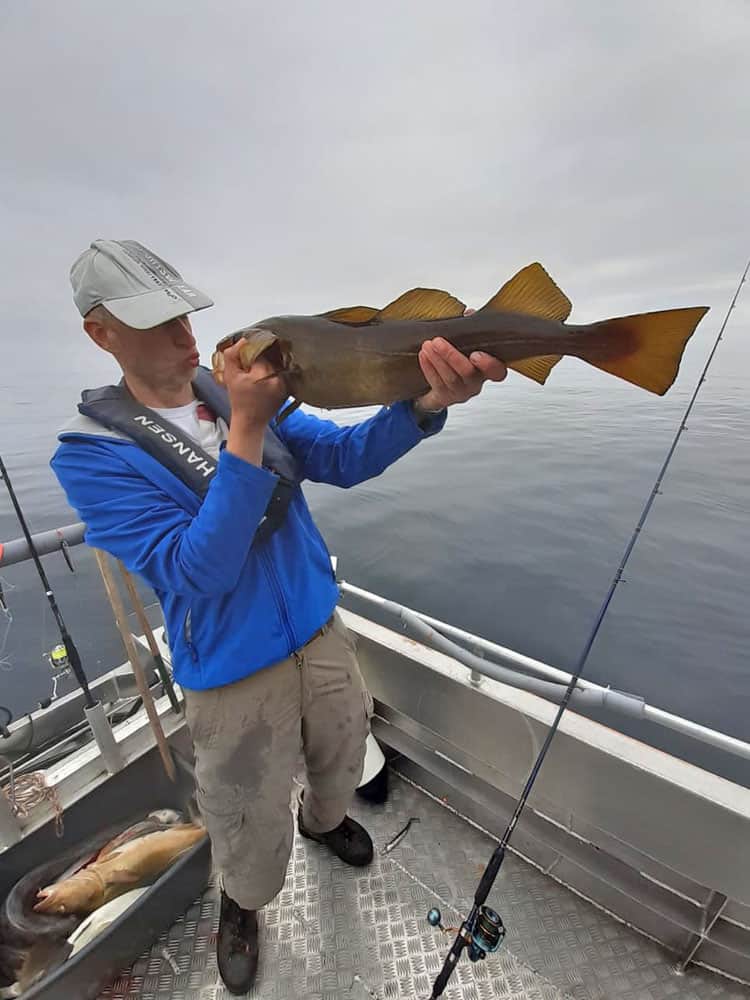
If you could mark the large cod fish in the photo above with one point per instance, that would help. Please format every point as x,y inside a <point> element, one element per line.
<point>37,926</point>
<point>124,864</point>
<point>360,355</point>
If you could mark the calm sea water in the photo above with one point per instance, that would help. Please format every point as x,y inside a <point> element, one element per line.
<point>510,523</point>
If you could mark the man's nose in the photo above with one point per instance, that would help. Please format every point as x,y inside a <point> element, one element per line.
<point>182,332</point>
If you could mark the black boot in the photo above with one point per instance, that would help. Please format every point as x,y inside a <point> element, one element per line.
<point>349,841</point>
<point>237,946</point>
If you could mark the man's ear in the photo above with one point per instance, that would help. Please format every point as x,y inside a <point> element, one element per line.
<point>98,333</point>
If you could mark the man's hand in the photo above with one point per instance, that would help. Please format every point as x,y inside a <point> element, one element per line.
<point>255,397</point>
<point>454,378</point>
<point>255,394</point>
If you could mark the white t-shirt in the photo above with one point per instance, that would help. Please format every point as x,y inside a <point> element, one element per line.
<point>200,422</point>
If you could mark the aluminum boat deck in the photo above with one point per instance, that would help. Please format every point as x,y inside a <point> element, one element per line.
<point>336,933</point>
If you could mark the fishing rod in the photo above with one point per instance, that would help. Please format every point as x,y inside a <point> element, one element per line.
<point>65,636</point>
<point>482,931</point>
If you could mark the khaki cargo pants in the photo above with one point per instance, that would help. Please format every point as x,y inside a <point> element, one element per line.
<point>249,740</point>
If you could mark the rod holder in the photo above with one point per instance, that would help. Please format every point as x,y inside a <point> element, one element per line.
<point>10,827</point>
<point>105,738</point>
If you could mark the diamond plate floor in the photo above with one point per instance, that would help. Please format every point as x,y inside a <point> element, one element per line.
<point>334,933</point>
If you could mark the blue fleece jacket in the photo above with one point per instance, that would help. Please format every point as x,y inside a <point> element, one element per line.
<point>230,607</point>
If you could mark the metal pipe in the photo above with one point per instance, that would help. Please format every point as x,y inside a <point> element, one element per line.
<point>697,732</point>
<point>711,737</point>
<point>511,658</point>
<point>626,703</point>
<point>45,542</point>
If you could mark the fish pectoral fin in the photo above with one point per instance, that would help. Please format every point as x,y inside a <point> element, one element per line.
<point>536,368</point>
<point>354,315</point>
<point>423,303</point>
<point>122,876</point>
<point>531,291</point>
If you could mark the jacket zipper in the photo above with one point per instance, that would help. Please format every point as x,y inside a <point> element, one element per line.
<point>280,602</point>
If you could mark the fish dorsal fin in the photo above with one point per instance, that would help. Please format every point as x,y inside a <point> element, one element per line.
<point>423,303</point>
<point>536,368</point>
<point>352,314</point>
<point>531,291</point>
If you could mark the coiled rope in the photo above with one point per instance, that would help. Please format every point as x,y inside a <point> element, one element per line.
<point>27,791</point>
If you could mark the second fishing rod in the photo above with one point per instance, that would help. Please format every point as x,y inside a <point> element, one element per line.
<point>93,709</point>
<point>65,636</point>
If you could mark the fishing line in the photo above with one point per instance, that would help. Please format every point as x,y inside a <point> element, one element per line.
<point>5,660</point>
<point>482,932</point>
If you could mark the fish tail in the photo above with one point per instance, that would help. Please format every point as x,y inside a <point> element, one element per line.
<point>645,349</point>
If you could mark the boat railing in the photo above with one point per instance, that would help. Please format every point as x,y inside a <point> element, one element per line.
<point>505,662</point>
<point>482,657</point>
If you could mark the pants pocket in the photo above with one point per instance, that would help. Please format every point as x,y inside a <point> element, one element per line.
<point>203,714</point>
<point>346,634</point>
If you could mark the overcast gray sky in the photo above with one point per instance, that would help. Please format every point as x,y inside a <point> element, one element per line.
<point>296,157</point>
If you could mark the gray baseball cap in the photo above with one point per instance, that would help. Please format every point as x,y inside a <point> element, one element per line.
<point>136,286</point>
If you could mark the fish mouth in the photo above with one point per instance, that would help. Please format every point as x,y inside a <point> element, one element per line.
<point>257,342</point>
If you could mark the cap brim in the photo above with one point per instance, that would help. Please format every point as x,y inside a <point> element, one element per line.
<point>152,308</point>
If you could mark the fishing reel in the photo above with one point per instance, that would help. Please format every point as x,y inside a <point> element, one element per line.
<point>486,935</point>
<point>58,660</point>
<point>60,666</point>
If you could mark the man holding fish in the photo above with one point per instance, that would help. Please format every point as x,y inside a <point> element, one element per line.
<point>209,511</point>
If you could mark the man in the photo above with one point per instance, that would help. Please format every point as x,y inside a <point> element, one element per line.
<point>209,511</point>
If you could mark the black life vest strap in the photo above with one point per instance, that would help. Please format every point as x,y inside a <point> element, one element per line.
<point>115,407</point>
